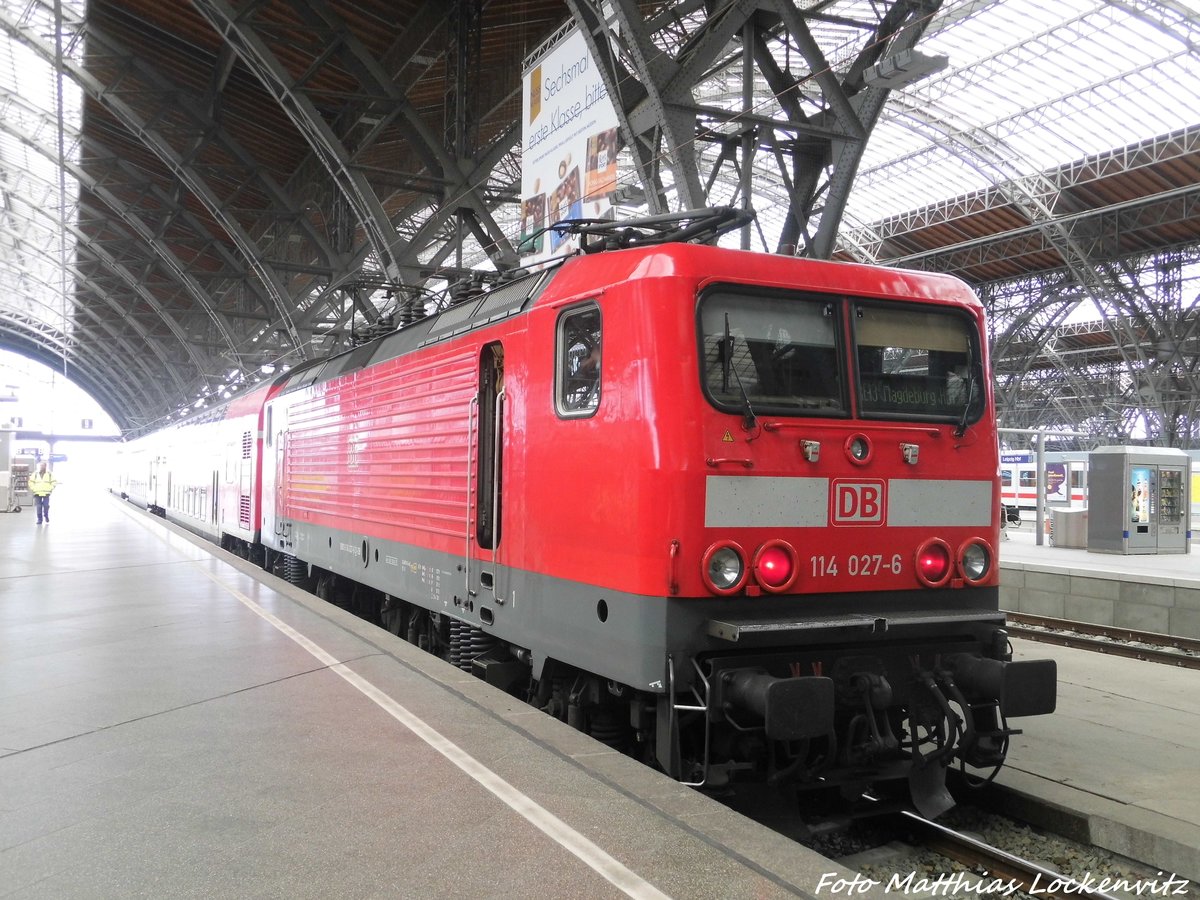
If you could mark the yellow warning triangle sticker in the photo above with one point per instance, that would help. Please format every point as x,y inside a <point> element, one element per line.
<point>728,439</point>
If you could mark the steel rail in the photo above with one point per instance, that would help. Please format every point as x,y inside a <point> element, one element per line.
<point>1000,865</point>
<point>1107,639</point>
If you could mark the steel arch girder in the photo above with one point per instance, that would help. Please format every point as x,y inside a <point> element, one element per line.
<point>626,93</point>
<point>237,32</point>
<point>901,28</point>
<point>382,237</point>
<point>645,99</point>
<point>176,161</point>
<point>41,249</point>
<point>1033,195</point>
<point>661,99</point>
<point>116,336</point>
<point>423,237</point>
<point>134,283</point>
<point>48,346</point>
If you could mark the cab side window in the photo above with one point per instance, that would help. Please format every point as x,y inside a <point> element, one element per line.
<point>577,362</point>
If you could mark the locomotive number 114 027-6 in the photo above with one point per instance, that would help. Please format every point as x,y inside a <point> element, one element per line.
<point>855,564</point>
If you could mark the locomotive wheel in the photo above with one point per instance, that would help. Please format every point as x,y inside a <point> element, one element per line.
<point>325,588</point>
<point>392,615</point>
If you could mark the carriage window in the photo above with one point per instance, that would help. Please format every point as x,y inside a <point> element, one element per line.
<point>773,353</point>
<point>577,375</point>
<point>917,363</point>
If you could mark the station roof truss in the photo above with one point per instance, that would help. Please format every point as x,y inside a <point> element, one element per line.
<point>195,192</point>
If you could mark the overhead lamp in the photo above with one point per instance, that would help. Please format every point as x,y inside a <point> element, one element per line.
<point>903,68</point>
<point>628,195</point>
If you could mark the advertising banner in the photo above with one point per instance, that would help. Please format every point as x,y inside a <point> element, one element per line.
<point>569,148</point>
<point>1139,494</point>
<point>1058,489</point>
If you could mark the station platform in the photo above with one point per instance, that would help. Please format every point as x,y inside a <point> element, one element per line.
<point>1119,762</point>
<point>176,723</point>
<point>1022,549</point>
<point>1143,592</point>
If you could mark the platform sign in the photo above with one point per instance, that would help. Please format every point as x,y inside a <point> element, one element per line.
<point>569,148</point>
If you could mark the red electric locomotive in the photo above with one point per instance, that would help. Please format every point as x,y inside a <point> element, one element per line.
<point>731,512</point>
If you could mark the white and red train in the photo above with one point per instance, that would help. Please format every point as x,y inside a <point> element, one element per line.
<point>736,514</point>
<point>1064,482</point>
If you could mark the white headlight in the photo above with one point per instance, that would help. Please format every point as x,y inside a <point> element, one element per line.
<point>976,561</point>
<point>725,568</point>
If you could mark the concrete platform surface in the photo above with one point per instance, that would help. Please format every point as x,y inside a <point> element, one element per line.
<point>171,726</point>
<point>175,723</point>
<point>1121,754</point>
<point>1155,593</point>
<point>1022,550</point>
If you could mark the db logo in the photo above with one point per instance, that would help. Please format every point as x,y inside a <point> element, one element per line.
<point>858,502</point>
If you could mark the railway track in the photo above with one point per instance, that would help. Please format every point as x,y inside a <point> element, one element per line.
<point>1160,648</point>
<point>1004,872</point>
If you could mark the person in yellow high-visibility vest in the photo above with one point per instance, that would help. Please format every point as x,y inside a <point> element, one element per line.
<point>41,484</point>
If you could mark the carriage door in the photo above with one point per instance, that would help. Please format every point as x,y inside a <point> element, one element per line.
<point>485,477</point>
<point>271,473</point>
<point>279,525</point>
<point>152,482</point>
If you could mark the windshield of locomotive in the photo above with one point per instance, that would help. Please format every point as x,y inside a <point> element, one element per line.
<point>772,353</point>
<point>916,363</point>
<point>783,353</point>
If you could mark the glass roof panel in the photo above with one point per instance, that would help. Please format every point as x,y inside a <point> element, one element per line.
<point>30,269</point>
<point>1032,84</point>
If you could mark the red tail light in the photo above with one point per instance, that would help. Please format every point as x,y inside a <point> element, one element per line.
<point>775,566</point>
<point>934,562</point>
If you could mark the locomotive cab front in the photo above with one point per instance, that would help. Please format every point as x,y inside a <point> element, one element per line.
<point>823,485</point>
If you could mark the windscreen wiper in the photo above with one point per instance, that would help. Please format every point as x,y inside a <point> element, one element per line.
<point>726,357</point>
<point>749,419</point>
<point>962,422</point>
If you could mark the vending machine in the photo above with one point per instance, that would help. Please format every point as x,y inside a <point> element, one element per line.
<point>1138,500</point>
<point>14,475</point>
